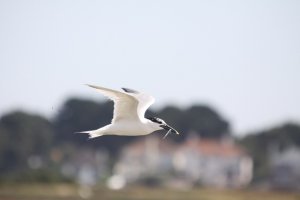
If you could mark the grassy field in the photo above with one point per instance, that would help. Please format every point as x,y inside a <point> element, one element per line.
<point>66,192</point>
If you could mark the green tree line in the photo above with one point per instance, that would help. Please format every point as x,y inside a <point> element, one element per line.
<point>24,135</point>
<point>260,145</point>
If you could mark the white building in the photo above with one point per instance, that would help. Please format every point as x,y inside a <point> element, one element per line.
<point>285,168</point>
<point>207,162</point>
<point>216,163</point>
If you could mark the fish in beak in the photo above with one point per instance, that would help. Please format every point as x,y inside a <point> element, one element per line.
<point>169,129</point>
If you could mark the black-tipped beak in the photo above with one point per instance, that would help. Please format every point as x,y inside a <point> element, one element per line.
<point>168,128</point>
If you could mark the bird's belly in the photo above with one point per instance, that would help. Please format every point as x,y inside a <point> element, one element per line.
<point>129,129</point>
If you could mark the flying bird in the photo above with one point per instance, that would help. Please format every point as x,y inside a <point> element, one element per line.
<point>128,115</point>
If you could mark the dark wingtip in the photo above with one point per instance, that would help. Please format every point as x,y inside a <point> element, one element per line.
<point>92,86</point>
<point>130,90</point>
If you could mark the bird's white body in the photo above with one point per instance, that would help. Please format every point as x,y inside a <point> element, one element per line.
<point>129,110</point>
<point>124,127</point>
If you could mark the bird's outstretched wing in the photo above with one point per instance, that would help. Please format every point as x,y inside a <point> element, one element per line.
<point>125,105</point>
<point>129,105</point>
<point>144,101</point>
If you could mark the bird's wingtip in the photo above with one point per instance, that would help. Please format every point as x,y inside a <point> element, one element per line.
<point>93,86</point>
<point>128,90</point>
<point>86,84</point>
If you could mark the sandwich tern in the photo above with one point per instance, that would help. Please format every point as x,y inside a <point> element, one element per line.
<point>128,115</point>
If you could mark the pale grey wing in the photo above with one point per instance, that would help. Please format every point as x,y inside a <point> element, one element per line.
<point>125,106</point>
<point>145,101</point>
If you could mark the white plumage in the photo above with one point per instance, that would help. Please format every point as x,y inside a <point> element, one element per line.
<point>128,117</point>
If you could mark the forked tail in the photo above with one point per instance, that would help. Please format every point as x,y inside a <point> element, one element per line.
<point>92,133</point>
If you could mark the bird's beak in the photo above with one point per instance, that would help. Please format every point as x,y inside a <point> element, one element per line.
<point>169,128</point>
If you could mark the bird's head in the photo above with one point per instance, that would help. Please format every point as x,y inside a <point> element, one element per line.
<point>162,125</point>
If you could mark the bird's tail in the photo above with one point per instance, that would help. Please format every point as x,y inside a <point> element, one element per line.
<point>92,133</point>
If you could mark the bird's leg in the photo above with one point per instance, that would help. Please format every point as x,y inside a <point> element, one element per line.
<point>169,131</point>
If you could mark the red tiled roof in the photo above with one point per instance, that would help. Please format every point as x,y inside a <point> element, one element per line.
<point>208,147</point>
<point>213,147</point>
<point>139,146</point>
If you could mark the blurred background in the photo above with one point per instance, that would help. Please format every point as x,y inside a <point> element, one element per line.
<point>224,73</point>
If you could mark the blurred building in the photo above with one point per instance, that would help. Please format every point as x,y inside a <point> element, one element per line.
<point>216,163</point>
<point>87,166</point>
<point>145,158</point>
<point>207,162</point>
<point>285,168</point>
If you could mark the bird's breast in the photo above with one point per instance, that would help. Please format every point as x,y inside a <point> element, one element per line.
<point>130,128</point>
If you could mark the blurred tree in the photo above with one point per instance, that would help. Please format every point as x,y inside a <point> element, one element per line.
<point>206,122</point>
<point>81,115</point>
<point>262,143</point>
<point>200,119</point>
<point>78,115</point>
<point>175,118</point>
<point>23,135</point>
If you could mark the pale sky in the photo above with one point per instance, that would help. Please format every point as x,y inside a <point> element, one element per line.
<point>240,57</point>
